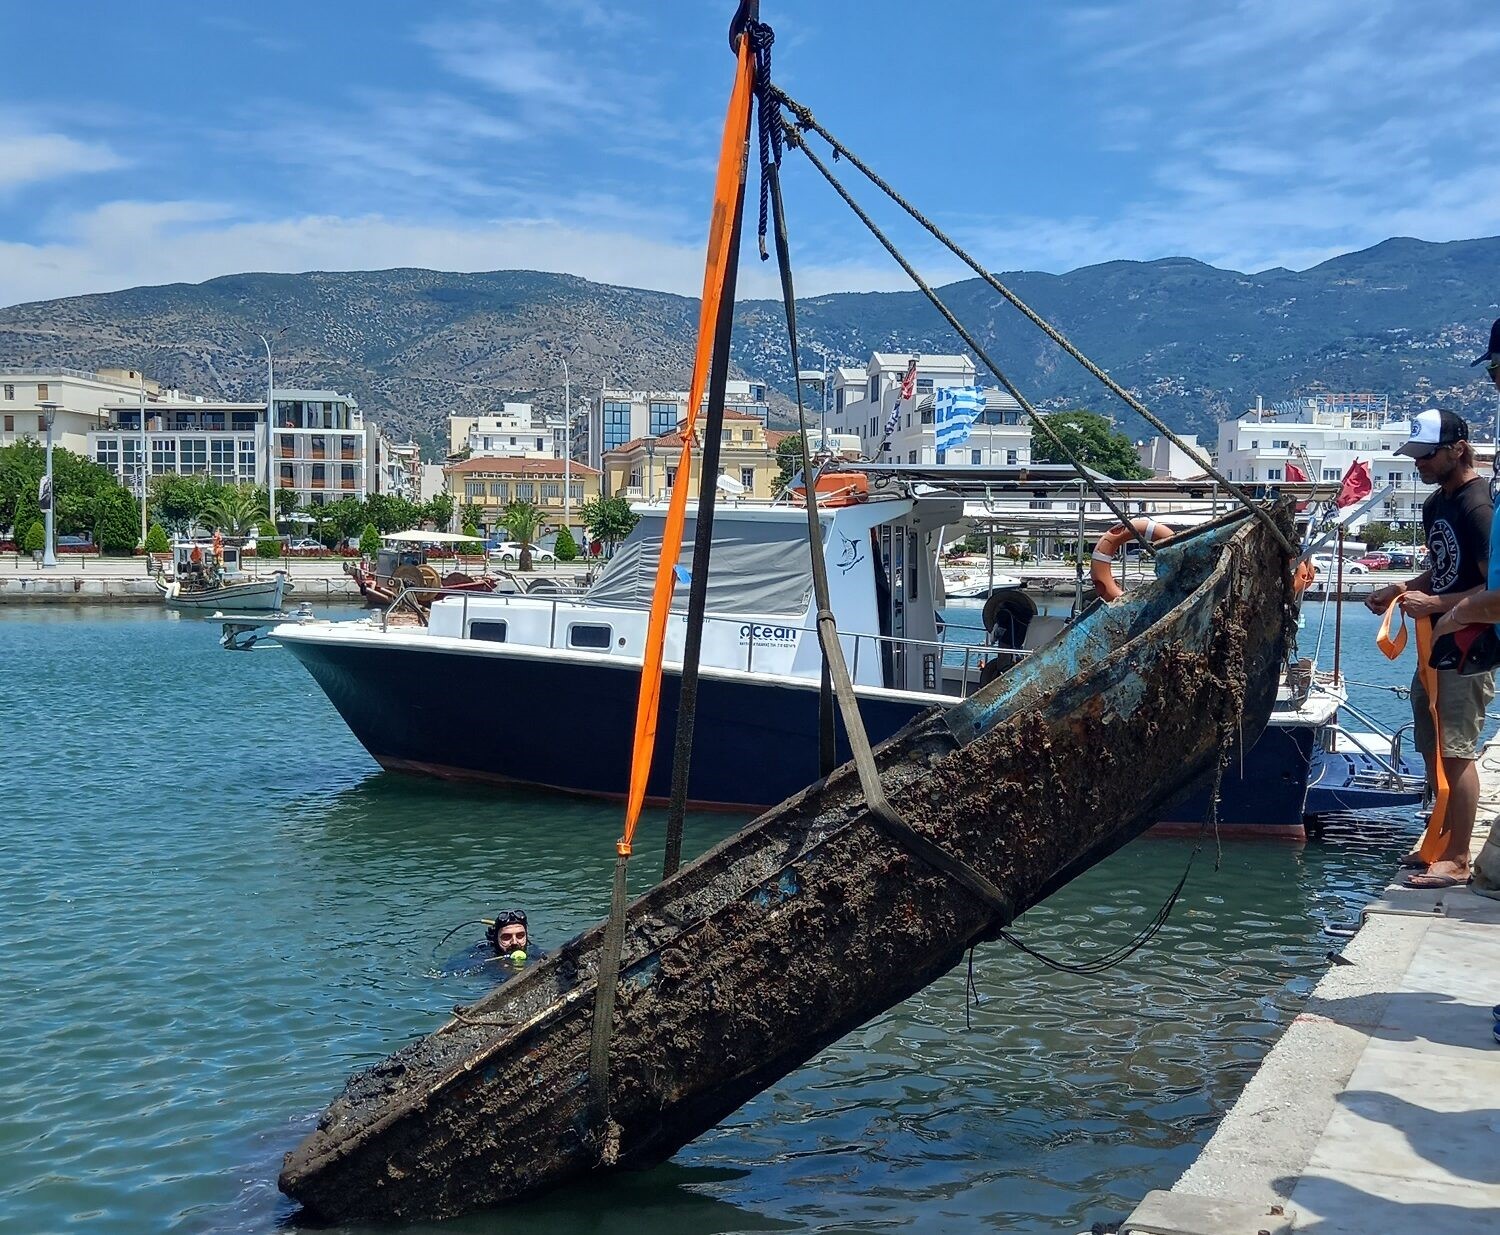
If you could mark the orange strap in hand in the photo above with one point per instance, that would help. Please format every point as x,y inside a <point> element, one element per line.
<point>1434,838</point>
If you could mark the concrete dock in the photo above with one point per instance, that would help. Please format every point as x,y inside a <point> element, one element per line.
<point>1378,1111</point>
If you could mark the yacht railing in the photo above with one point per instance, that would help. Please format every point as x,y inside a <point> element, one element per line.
<point>936,655</point>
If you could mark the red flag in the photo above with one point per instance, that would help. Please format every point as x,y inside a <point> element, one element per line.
<point>1356,485</point>
<point>909,382</point>
<point>1294,475</point>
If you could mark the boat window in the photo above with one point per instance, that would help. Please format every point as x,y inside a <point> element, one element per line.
<point>584,635</point>
<point>493,632</point>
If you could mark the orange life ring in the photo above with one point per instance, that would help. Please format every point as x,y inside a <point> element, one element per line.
<point>1101,569</point>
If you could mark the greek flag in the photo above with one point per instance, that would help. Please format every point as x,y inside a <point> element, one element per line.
<point>956,408</point>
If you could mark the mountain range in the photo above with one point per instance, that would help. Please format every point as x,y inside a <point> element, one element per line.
<point>1196,343</point>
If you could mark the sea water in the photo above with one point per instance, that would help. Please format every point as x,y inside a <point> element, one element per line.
<point>215,906</point>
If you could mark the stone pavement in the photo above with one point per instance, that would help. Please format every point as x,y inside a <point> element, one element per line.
<point>1378,1111</point>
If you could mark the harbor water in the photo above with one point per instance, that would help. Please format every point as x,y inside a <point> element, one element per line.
<point>215,906</point>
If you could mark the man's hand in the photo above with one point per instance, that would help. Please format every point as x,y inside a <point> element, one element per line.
<point>1448,623</point>
<point>1380,600</point>
<point>1420,604</point>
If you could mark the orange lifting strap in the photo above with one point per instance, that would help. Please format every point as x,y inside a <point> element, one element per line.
<point>732,152</point>
<point>1431,848</point>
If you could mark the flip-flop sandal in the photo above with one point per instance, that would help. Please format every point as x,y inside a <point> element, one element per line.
<point>1412,862</point>
<point>1430,883</point>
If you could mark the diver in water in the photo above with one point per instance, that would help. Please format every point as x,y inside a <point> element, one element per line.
<point>508,936</point>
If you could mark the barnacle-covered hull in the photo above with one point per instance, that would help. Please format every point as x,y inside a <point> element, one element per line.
<point>778,941</point>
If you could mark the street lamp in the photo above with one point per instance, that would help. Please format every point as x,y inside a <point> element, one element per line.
<point>270,415</point>
<point>141,462</point>
<point>45,498</point>
<point>650,470</point>
<point>567,448</point>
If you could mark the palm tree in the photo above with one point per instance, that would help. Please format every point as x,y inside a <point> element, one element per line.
<point>523,520</point>
<point>233,510</point>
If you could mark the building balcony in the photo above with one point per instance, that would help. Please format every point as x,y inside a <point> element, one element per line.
<point>348,484</point>
<point>317,483</point>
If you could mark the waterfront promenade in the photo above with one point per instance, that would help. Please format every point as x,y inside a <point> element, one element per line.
<point>92,579</point>
<point>1379,1108</point>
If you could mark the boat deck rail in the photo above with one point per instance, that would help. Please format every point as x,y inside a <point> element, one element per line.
<point>937,655</point>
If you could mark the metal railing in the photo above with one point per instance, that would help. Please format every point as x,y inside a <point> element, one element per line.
<point>936,655</point>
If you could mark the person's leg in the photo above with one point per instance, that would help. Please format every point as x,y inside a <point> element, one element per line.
<point>1462,703</point>
<point>1422,739</point>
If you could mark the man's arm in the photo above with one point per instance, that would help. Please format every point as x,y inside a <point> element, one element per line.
<point>1380,599</point>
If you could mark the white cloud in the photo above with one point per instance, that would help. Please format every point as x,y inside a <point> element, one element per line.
<point>28,158</point>
<point>128,244</point>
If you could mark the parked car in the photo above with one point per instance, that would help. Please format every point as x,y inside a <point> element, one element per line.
<point>1328,566</point>
<point>1397,560</point>
<point>509,551</point>
<point>1375,561</point>
<point>306,544</point>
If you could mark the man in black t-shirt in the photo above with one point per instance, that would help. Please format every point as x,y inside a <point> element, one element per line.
<point>1456,519</point>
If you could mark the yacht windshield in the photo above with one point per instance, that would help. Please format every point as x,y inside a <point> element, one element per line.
<point>757,566</point>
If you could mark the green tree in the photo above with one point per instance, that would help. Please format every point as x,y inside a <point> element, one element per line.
<point>342,520</point>
<point>267,542</point>
<point>523,521</point>
<point>176,502</point>
<point>472,514</point>
<point>79,485</point>
<point>1377,535</point>
<point>565,547</point>
<point>439,511</point>
<point>35,539</point>
<point>392,514</point>
<point>369,545</point>
<point>231,509</point>
<point>1095,442</point>
<point>156,540</point>
<point>788,461</point>
<point>286,503</point>
<point>608,519</point>
<point>117,521</point>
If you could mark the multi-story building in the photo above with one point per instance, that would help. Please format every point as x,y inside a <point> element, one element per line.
<point>1322,436</point>
<point>400,470</point>
<point>863,400</point>
<point>491,482</point>
<point>79,398</point>
<point>646,467</point>
<point>224,441</point>
<point>621,416</point>
<point>321,447</point>
<point>517,431</point>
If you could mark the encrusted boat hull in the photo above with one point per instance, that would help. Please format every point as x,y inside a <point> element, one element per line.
<point>810,921</point>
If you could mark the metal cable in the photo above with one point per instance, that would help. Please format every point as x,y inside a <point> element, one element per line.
<point>806,121</point>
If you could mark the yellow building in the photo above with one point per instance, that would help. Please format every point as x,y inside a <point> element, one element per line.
<point>493,482</point>
<point>644,469</point>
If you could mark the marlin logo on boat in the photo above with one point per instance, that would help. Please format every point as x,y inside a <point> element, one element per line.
<point>764,632</point>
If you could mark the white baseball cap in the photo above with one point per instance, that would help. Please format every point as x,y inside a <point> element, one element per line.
<point>1431,429</point>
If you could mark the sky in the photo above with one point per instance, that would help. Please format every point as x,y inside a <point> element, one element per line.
<point>159,141</point>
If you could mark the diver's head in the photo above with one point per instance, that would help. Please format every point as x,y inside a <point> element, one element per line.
<point>508,932</point>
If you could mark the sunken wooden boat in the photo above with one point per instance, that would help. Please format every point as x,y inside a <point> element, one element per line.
<point>811,920</point>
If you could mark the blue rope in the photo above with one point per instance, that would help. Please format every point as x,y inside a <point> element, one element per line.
<point>769,121</point>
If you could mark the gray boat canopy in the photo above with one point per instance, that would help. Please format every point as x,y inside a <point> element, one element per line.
<point>415,537</point>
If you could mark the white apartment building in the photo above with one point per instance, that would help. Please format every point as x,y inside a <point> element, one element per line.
<point>224,441</point>
<point>621,416</point>
<point>517,431</point>
<point>400,469</point>
<point>1323,436</point>
<point>321,447</point>
<point>81,397</point>
<point>863,400</point>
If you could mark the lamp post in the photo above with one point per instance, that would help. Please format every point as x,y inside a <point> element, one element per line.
<point>141,463</point>
<point>650,470</point>
<point>567,448</point>
<point>49,555</point>
<point>270,419</point>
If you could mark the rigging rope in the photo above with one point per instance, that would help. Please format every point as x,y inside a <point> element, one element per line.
<point>882,813</point>
<point>806,121</point>
<point>729,185</point>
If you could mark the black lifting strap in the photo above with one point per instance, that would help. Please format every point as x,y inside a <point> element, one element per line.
<point>881,811</point>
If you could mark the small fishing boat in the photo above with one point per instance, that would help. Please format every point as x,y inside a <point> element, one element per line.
<point>402,564</point>
<point>816,917</point>
<point>207,576</point>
